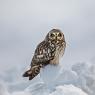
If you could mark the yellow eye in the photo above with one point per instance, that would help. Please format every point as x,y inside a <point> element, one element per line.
<point>52,35</point>
<point>59,35</point>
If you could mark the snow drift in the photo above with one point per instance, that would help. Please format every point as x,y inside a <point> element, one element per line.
<point>80,80</point>
<point>86,76</point>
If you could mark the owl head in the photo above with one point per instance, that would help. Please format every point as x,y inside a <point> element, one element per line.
<point>55,36</point>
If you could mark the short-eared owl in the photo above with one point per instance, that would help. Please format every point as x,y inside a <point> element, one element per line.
<point>47,52</point>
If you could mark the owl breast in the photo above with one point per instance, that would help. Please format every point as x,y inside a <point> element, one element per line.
<point>58,54</point>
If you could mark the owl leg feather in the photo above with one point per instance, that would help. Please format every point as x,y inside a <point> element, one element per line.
<point>34,71</point>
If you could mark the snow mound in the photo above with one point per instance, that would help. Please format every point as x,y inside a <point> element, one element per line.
<point>68,90</point>
<point>86,76</point>
<point>53,80</point>
<point>41,89</point>
<point>54,76</point>
<point>50,73</point>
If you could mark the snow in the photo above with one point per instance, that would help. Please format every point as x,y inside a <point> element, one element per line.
<point>21,93</point>
<point>50,73</point>
<point>53,80</point>
<point>57,75</point>
<point>68,90</point>
<point>86,76</point>
<point>25,24</point>
<point>60,90</point>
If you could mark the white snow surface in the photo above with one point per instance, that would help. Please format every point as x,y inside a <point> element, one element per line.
<point>60,90</point>
<point>68,90</point>
<point>53,80</point>
<point>86,76</point>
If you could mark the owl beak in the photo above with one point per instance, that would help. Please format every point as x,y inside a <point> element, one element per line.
<point>56,39</point>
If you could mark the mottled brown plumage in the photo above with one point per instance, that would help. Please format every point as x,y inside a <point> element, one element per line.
<point>47,52</point>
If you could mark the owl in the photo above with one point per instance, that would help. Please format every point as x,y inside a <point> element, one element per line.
<point>49,51</point>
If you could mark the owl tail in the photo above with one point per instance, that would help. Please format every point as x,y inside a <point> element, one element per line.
<point>34,71</point>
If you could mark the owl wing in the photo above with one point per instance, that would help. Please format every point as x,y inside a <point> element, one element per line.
<point>43,53</point>
<point>42,56</point>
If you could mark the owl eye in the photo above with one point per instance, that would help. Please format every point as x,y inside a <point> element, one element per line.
<point>60,35</point>
<point>52,35</point>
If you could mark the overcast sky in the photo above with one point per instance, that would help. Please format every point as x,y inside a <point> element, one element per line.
<point>24,23</point>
